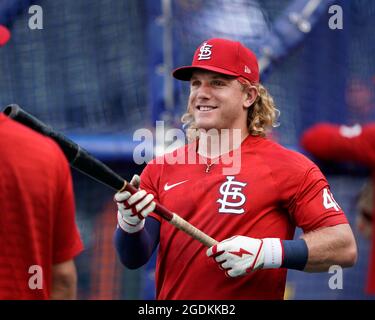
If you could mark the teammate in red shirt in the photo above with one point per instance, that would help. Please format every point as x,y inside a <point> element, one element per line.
<point>357,144</point>
<point>38,234</point>
<point>251,204</point>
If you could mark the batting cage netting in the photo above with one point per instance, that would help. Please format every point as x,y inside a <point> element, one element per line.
<point>99,70</point>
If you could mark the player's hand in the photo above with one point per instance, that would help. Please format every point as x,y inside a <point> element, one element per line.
<point>133,208</point>
<point>240,255</point>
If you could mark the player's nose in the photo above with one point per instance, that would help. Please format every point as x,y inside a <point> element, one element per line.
<point>204,92</point>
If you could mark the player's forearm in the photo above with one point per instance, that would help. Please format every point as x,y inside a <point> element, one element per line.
<point>64,291</point>
<point>135,249</point>
<point>330,246</point>
<point>64,281</point>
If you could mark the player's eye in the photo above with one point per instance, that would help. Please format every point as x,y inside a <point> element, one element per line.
<point>194,83</point>
<point>218,83</point>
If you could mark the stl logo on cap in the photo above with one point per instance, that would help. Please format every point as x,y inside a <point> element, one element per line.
<point>205,52</point>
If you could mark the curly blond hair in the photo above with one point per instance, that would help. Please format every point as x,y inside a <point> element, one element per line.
<point>263,114</point>
<point>261,117</point>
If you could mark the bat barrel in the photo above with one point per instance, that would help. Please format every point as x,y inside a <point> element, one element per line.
<point>69,148</point>
<point>96,169</point>
<point>78,157</point>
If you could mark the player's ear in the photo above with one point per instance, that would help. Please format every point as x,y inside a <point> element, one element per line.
<point>251,95</point>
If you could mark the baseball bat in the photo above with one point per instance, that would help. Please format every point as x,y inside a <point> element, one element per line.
<point>84,162</point>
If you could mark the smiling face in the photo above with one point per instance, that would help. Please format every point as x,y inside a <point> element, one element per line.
<point>218,101</point>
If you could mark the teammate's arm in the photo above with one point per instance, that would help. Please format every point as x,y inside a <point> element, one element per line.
<point>64,281</point>
<point>67,242</point>
<point>341,143</point>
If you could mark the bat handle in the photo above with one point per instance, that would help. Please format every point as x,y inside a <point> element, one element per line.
<point>176,220</point>
<point>192,231</point>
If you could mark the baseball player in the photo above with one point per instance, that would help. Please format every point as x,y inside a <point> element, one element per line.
<point>252,212</point>
<point>357,144</point>
<point>39,238</point>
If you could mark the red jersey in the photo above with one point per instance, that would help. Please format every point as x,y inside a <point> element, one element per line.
<point>37,214</point>
<point>341,143</point>
<point>274,191</point>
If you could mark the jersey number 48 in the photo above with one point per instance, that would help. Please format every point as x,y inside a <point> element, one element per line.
<point>328,200</point>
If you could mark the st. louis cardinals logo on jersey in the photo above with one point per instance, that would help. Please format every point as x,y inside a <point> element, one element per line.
<point>205,52</point>
<point>232,199</point>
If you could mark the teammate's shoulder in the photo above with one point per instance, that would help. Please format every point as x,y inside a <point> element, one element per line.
<point>25,134</point>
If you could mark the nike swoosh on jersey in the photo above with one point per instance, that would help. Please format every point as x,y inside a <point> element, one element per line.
<point>168,187</point>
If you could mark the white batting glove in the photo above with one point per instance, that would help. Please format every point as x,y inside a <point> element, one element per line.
<point>240,255</point>
<point>133,208</point>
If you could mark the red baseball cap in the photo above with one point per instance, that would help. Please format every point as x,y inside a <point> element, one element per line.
<point>222,56</point>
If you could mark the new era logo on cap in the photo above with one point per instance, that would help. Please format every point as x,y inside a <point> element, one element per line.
<point>222,56</point>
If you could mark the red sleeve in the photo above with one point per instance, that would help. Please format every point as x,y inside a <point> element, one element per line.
<point>67,241</point>
<point>341,143</point>
<point>314,206</point>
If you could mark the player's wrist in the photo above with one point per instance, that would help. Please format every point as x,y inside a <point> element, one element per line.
<point>272,253</point>
<point>295,254</point>
<point>290,254</point>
